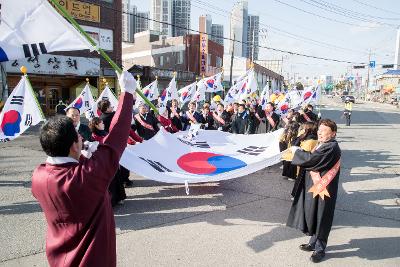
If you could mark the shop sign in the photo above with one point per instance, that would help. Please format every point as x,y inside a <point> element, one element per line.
<point>81,10</point>
<point>102,37</point>
<point>56,65</point>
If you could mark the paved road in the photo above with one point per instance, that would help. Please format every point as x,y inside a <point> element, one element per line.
<point>240,222</point>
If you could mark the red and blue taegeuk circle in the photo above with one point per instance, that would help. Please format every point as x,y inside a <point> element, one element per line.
<point>185,95</point>
<point>307,95</point>
<point>284,107</point>
<point>11,121</point>
<point>163,94</point>
<point>146,92</point>
<point>210,83</point>
<point>243,87</point>
<point>208,163</point>
<point>78,103</point>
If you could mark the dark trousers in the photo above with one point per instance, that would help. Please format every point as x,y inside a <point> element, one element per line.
<point>116,188</point>
<point>124,173</point>
<point>318,244</point>
<point>347,115</point>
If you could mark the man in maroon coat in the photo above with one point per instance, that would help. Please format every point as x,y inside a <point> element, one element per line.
<point>72,190</point>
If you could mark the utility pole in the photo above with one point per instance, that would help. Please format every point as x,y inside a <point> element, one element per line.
<point>369,59</point>
<point>3,85</point>
<point>233,49</point>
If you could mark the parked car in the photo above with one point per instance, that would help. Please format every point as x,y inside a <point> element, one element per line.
<point>351,98</point>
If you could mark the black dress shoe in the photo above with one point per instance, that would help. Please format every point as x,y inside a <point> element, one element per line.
<point>306,247</point>
<point>317,256</point>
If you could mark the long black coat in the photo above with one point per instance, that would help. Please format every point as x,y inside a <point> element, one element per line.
<point>269,127</point>
<point>209,120</point>
<point>107,118</point>
<point>314,216</point>
<point>240,123</point>
<point>226,117</point>
<point>175,120</point>
<point>186,120</point>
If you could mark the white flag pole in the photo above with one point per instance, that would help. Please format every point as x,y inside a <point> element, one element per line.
<point>24,70</point>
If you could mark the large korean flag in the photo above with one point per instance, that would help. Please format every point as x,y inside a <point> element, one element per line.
<point>20,112</point>
<point>32,27</point>
<point>210,156</point>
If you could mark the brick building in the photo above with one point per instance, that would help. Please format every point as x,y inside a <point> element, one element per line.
<point>174,53</point>
<point>62,75</point>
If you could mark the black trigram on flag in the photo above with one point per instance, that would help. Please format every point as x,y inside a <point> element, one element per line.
<point>253,150</point>
<point>91,114</point>
<point>17,100</point>
<point>199,144</point>
<point>32,50</point>
<point>156,165</point>
<point>28,120</point>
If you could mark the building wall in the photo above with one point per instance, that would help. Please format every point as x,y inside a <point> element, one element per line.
<point>205,24</point>
<point>142,23</point>
<point>397,55</point>
<point>180,17</point>
<point>217,31</point>
<point>161,10</point>
<point>109,19</point>
<point>215,51</point>
<point>58,85</point>
<point>253,24</point>
<point>242,64</point>
<point>239,28</point>
<point>178,53</point>
<point>128,20</point>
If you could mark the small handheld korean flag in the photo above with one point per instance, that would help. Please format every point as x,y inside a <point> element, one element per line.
<point>107,94</point>
<point>151,91</point>
<point>214,83</point>
<point>200,93</point>
<point>172,91</point>
<point>264,97</point>
<point>235,91</point>
<point>251,86</point>
<point>32,27</point>
<point>20,111</point>
<point>84,102</point>
<point>187,92</point>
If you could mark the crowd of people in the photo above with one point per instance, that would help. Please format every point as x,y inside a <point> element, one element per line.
<point>244,117</point>
<point>77,190</point>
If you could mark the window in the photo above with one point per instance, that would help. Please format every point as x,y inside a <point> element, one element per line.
<point>218,62</point>
<point>180,57</point>
<point>161,60</point>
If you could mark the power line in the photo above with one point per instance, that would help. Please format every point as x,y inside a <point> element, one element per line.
<point>283,32</point>
<point>344,12</point>
<point>237,41</point>
<point>375,7</point>
<point>349,11</point>
<point>320,16</point>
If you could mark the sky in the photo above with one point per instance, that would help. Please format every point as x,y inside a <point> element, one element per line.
<point>301,26</point>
